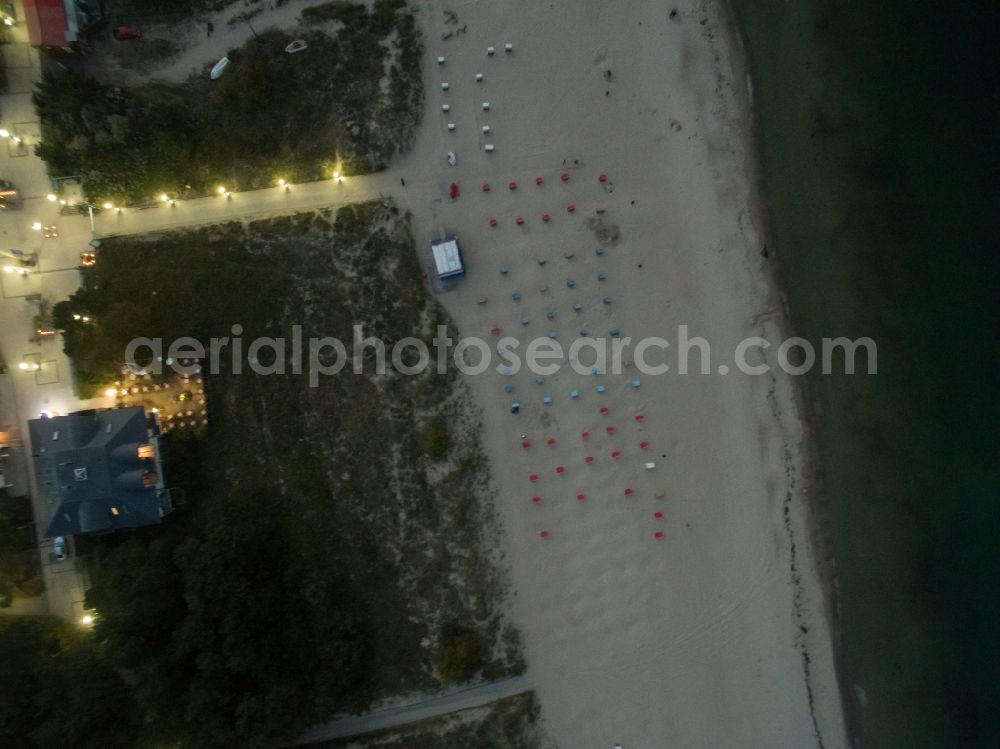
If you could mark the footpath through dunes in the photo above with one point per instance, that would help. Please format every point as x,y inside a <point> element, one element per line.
<point>658,605</point>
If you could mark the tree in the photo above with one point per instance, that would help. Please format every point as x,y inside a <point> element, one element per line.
<point>59,690</point>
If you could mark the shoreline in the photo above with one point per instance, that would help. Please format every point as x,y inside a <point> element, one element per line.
<point>817,513</point>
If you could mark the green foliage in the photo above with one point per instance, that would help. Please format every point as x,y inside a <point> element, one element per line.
<point>286,590</point>
<point>59,690</point>
<point>350,14</point>
<point>271,114</point>
<point>437,438</point>
<point>461,654</point>
<point>19,566</point>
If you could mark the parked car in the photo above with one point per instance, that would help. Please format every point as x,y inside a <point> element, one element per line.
<point>59,547</point>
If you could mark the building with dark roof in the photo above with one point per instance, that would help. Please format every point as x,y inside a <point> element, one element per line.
<point>99,471</point>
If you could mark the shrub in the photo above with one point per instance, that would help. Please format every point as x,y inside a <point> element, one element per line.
<point>437,438</point>
<point>461,654</point>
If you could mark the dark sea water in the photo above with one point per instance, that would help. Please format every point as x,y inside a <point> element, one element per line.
<point>879,126</point>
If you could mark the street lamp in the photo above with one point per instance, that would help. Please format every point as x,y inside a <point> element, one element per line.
<point>108,205</point>
<point>51,198</point>
<point>36,226</point>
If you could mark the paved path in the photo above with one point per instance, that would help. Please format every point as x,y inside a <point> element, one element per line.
<point>401,715</point>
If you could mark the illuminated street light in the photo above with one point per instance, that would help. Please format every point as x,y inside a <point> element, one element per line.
<point>336,176</point>
<point>164,198</point>
<point>86,620</point>
<point>23,365</point>
<point>51,198</point>
<point>107,205</point>
<point>36,226</point>
<point>76,317</point>
<point>221,190</point>
<point>4,132</point>
<point>62,201</point>
<point>281,183</point>
<point>111,392</point>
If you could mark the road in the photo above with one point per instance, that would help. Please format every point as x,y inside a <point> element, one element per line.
<point>401,715</point>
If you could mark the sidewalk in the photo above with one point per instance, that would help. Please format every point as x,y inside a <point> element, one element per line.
<point>26,394</point>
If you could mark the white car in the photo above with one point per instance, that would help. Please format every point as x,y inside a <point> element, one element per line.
<point>452,158</point>
<point>59,547</point>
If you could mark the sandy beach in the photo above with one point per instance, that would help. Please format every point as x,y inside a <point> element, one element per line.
<point>714,634</point>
